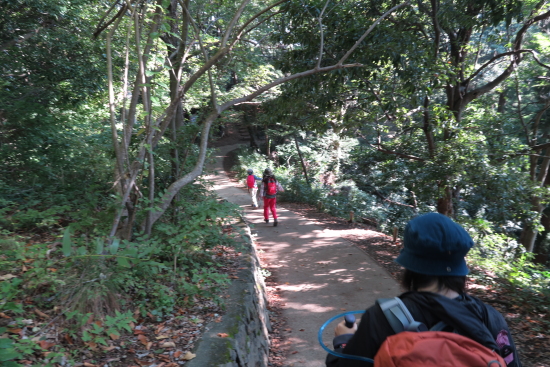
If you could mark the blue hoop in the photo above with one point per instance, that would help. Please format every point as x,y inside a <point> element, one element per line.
<point>340,355</point>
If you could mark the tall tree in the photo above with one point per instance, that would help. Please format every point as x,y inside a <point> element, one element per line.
<point>48,67</point>
<point>220,31</point>
<point>426,67</point>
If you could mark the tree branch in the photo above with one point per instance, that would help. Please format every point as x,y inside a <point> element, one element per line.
<point>100,28</point>
<point>381,197</point>
<point>204,52</point>
<point>322,42</point>
<point>350,51</point>
<point>174,188</point>
<point>257,15</point>
<point>382,149</point>
<point>437,30</point>
<point>469,96</point>
<point>233,22</point>
<point>494,58</point>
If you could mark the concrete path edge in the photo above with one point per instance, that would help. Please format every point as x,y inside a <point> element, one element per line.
<point>246,320</point>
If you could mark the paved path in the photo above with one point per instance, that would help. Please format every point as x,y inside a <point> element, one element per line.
<point>320,274</point>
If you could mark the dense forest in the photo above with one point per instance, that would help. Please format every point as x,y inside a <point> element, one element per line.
<point>374,109</point>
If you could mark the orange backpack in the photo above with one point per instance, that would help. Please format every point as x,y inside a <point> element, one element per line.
<point>412,346</point>
<point>435,349</point>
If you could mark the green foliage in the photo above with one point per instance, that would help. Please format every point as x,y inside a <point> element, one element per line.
<point>99,331</point>
<point>10,289</point>
<point>329,198</point>
<point>250,159</point>
<point>363,128</point>
<point>13,350</point>
<point>8,353</point>
<point>50,67</point>
<point>98,283</point>
<point>527,283</point>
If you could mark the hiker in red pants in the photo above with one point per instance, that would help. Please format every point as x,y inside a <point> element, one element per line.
<point>450,327</point>
<point>268,191</point>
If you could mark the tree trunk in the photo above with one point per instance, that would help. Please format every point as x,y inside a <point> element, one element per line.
<point>254,141</point>
<point>301,159</point>
<point>155,131</point>
<point>529,233</point>
<point>445,201</point>
<point>267,147</point>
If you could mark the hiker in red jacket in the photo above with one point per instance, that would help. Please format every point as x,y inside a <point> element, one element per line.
<point>252,186</point>
<point>435,272</point>
<point>268,191</point>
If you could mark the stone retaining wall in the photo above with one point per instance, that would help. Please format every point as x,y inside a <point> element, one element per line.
<point>246,320</point>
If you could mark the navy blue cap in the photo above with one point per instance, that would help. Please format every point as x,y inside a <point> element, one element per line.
<point>435,245</point>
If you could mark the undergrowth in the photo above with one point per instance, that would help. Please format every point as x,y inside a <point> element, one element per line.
<point>94,288</point>
<point>499,260</point>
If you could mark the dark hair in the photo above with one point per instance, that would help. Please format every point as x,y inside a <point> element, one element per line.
<point>412,281</point>
<point>266,178</point>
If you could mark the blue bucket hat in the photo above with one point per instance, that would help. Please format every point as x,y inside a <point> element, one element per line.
<point>435,245</point>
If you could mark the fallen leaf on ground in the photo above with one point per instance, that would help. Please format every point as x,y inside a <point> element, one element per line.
<point>141,363</point>
<point>168,345</point>
<point>160,337</point>
<point>164,358</point>
<point>108,349</point>
<point>92,346</point>
<point>159,328</point>
<point>40,313</point>
<point>143,339</point>
<point>7,277</point>
<point>189,356</point>
<point>44,344</point>
<point>68,338</point>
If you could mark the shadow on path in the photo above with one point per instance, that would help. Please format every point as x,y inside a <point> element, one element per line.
<point>319,273</point>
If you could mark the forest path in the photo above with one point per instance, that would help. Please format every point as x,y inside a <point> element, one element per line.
<point>320,274</point>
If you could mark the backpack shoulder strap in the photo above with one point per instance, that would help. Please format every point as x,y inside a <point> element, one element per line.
<point>441,326</point>
<point>398,315</point>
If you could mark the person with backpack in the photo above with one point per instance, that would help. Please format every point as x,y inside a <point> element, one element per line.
<point>252,186</point>
<point>268,192</point>
<point>449,327</point>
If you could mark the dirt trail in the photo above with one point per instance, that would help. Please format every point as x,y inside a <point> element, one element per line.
<point>320,274</point>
